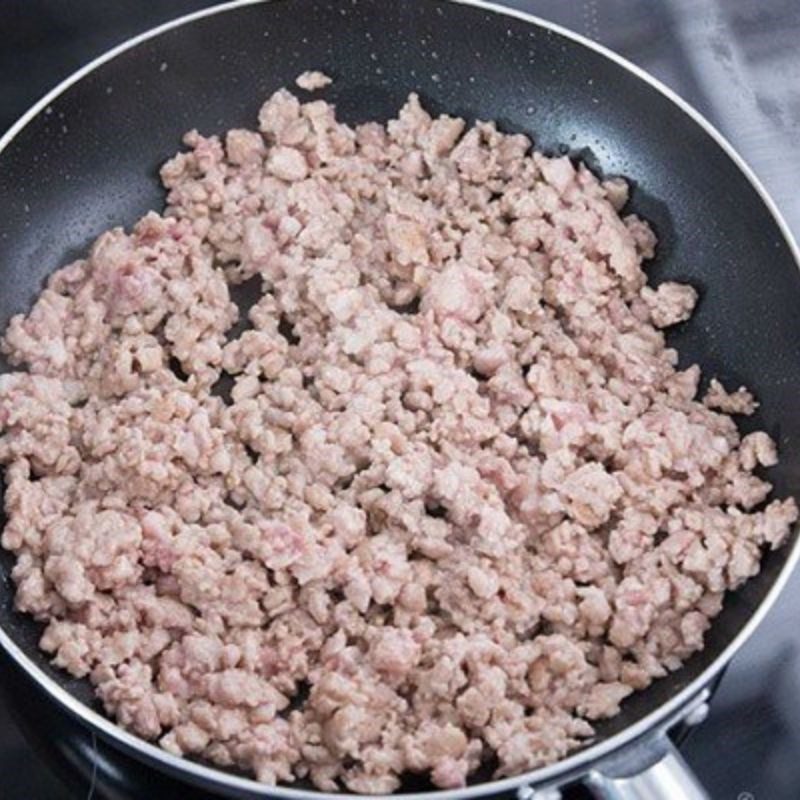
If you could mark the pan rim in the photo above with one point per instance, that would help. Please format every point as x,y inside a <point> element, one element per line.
<point>571,767</point>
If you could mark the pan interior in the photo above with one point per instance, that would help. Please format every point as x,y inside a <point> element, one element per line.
<point>89,161</point>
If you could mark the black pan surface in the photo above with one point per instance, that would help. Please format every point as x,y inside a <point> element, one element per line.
<point>89,161</point>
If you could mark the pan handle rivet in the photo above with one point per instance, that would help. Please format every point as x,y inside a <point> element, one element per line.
<point>697,715</point>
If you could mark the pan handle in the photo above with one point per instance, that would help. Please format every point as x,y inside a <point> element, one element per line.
<point>654,771</point>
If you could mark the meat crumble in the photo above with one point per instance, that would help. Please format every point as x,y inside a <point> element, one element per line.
<point>311,80</point>
<point>440,496</point>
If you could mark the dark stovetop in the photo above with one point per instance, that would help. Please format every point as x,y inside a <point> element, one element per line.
<point>738,62</point>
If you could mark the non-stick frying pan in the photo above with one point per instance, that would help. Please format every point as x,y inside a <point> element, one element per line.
<point>85,159</point>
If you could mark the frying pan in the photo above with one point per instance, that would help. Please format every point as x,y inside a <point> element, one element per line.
<point>85,158</point>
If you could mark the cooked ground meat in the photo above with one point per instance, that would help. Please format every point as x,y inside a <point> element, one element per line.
<point>738,402</point>
<point>311,80</point>
<point>439,495</point>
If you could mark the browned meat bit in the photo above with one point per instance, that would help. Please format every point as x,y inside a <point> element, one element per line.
<point>457,501</point>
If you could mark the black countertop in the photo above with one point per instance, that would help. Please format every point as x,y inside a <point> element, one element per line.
<point>738,62</point>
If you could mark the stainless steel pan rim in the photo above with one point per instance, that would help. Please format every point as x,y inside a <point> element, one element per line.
<point>572,767</point>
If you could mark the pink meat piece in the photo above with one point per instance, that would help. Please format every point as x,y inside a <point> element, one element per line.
<point>670,303</point>
<point>311,80</point>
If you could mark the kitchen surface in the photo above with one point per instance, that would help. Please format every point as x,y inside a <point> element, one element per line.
<point>738,62</point>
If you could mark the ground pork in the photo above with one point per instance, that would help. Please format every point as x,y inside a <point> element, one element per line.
<point>437,497</point>
<point>739,402</point>
<point>311,80</point>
